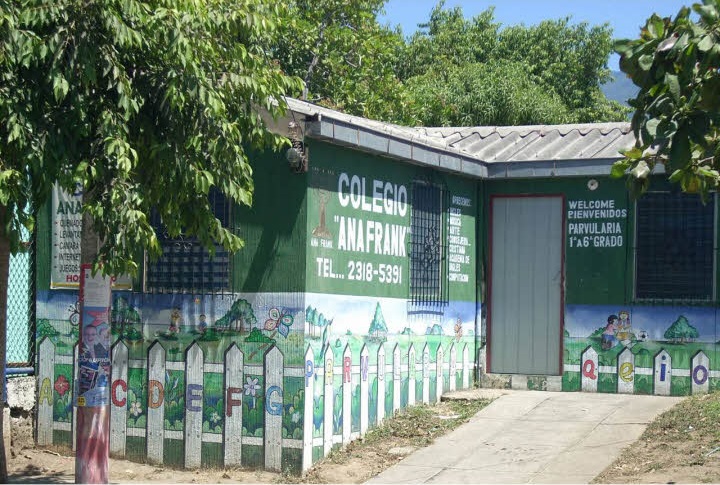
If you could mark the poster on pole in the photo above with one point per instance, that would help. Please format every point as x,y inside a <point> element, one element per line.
<point>95,338</point>
<point>66,236</point>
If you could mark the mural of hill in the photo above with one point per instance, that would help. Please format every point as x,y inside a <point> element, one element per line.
<point>620,89</point>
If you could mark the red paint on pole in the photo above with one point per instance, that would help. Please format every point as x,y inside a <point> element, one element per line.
<point>93,393</point>
<point>93,445</point>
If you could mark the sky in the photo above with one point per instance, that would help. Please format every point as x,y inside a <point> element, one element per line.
<point>626,17</point>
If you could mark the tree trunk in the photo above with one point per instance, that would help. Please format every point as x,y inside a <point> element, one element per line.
<point>93,422</point>
<point>4,269</point>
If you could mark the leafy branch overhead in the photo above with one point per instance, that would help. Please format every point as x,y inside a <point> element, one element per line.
<point>146,105</point>
<point>676,63</point>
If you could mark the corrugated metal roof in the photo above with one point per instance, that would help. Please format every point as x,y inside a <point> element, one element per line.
<point>538,142</point>
<point>483,151</point>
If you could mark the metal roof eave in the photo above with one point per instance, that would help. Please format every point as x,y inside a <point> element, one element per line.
<point>403,146</point>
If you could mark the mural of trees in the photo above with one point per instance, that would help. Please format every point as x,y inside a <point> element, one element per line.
<point>378,327</point>
<point>122,316</point>
<point>681,331</point>
<point>240,316</point>
<point>316,321</point>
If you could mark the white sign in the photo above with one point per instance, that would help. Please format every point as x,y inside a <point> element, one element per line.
<point>65,240</point>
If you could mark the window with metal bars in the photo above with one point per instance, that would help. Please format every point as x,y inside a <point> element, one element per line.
<point>427,245</point>
<point>674,247</point>
<point>185,265</point>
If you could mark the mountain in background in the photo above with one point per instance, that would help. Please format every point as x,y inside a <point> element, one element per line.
<point>621,88</point>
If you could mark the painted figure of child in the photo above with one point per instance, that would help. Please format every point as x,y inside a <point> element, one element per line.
<point>608,335</point>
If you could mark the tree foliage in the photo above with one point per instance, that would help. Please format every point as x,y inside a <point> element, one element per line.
<point>148,106</point>
<point>345,57</point>
<point>453,71</point>
<point>461,71</point>
<point>681,331</point>
<point>675,63</point>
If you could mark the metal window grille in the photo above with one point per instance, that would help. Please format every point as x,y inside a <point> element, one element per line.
<point>185,265</point>
<point>427,245</point>
<point>674,247</point>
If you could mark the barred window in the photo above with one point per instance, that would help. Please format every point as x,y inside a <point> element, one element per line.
<point>185,265</point>
<point>674,247</point>
<point>427,248</point>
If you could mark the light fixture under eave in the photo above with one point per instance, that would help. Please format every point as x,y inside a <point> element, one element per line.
<point>297,154</point>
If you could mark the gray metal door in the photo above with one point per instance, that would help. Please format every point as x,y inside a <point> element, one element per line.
<point>526,285</point>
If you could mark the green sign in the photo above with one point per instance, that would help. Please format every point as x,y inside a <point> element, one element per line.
<point>359,226</point>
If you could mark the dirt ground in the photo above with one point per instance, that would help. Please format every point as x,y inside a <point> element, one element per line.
<point>358,462</point>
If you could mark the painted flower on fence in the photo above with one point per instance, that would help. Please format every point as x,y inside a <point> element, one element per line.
<point>62,385</point>
<point>63,406</point>
<point>136,409</point>
<point>251,388</point>
<point>214,418</point>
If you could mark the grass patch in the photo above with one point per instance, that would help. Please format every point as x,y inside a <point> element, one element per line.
<point>682,445</point>
<point>696,418</point>
<point>381,447</point>
<point>420,425</point>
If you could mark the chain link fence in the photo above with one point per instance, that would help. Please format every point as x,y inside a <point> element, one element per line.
<point>21,310</point>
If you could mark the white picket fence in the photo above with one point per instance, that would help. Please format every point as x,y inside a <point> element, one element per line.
<point>418,372</point>
<point>625,370</point>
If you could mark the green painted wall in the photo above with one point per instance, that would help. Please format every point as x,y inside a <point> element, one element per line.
<point>274,229</point>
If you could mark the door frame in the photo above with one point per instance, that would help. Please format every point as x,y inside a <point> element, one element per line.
<point>563,236</point>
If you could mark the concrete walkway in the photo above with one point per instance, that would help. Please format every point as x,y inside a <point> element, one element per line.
<point>533,437</point>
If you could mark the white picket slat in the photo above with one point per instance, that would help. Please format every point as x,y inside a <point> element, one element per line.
<point>426,374</point>
<point>466,367</point>
<point>329,361</point>
<point>453,368</point>
<point>194,362</point>
<point>347,395</point>
<point>233,386</point>
<point>119,399</point>
<point>46,374</point>
<point>411,376</point>
<point>364,385</point>
<point>397,378</point>
<point>308,412</point>
<point>155,425</point>
<point>626,372</point>
<point>380,414</point>
<point>663,373</point>
<point>589,370</point>
<point>274,388</point>
<point>700,373</point>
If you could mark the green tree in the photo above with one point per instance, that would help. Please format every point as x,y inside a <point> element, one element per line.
<point>681,331</point>
<point>468,71</point>
<point>239,314</point>
<point>378,327</point>
<point>675,64</point>
<point>497,93</point>
<point>147,105</point>
<point>570,59</point>
<point>344,56</point>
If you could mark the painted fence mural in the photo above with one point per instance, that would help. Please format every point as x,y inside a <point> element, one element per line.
<point>195,411</point>
<point>641,349</point>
